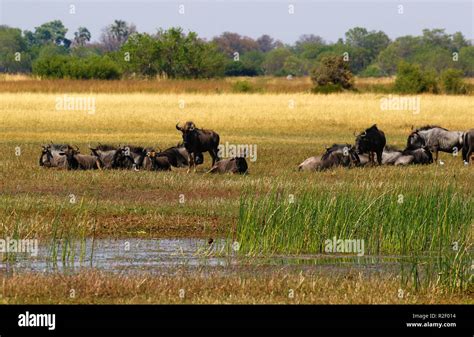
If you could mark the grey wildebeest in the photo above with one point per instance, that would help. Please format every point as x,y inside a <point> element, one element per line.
<point>153,162</point>
<point>468,146</point>
<point>199,141</point>
<point>371,141</point>
<point>77,161</point>
<point>421,156</point>
<point>436,139</point>
<point>389,156</point>
<point>230,165</point>
<point>336,155</point>
<point>50,156</point>
<point>108,156</point>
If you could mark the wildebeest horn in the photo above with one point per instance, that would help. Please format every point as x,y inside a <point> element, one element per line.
<point>178,127</point>
<point>77,148</point>
<point>363,134</point>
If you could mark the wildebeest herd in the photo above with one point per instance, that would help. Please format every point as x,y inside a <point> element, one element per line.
<point>371,143</point>
<point>188,153</point>
<point>370,149</point>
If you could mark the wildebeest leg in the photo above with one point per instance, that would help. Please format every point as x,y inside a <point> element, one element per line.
<point>436,155</point>
<point>191,162</point>
<point>379,157</point>
<point>371,158</point>
<point>470,153</point>
<point>214,156</point>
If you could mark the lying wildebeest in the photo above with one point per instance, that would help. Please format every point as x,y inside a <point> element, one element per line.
<point>389,156</point>
<point>310,164</point>
<point>153,162</point>
<point>436,139</point>
<point>336,155</point>
<point>77,161</point>
<point>108,156</point>
<point>199,141</point>
<point>230,165</point>
<point>178,156</point>
<point>468,145</point>
<point>133,155</point>
<point>50,156</point>
<point>371,141</point>
<point>421,156</point>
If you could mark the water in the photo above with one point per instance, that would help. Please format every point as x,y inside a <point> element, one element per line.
<point>168,256</point>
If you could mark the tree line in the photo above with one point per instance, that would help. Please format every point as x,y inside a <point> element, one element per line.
<point>121,51</point>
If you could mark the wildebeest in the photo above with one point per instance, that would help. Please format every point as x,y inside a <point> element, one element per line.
<point>134,154</point>
<point>153,162</point>
<point>336,155</point>
<point>230,165</point>
<point>108,156</point>
<point>371,141</point>
<point>389,156</point>
<point>199,141</point>
<point>178,156</point>
<point>77,161</point>
<point>310,164</point>
<point>50,156</point>
<point>421,156</point>
<point>468,145</point>
<point>436,139</point>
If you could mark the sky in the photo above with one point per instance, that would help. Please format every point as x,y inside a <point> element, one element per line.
<point>209,18</point>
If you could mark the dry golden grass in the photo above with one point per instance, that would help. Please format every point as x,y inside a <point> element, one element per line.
<point>96,287</point>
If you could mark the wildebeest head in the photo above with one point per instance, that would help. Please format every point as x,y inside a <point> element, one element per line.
<point>346,155</point>
<point>50,155</point>
<point>71,161</point>
<point>415,141</point>
<point>189,132</point>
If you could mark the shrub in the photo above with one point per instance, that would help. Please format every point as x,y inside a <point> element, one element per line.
<point>237,68</point>
<point>61,66</point>
<point>242,86</point>
<point>452,82</point>
<point>332,74</point>
<point>411,79</point>
<point>372,71</point>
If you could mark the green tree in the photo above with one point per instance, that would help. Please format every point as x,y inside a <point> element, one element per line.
<point>412,79</point>
<point>82,36</point>
<point>14,56</point>
<point>275,61</point>
<point>332,74</point>
<point>52,32</point>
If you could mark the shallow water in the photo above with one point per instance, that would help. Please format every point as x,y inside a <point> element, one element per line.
<point>167,256</point>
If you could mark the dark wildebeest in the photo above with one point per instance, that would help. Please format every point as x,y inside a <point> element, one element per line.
<point>199,141</point>
<point>468,145</point>
<point>178,156</point>
<point>77,161</point>
<point>371,141</point>
<point>230,165</point>
<point>336,155</point>
<point>421,156</point>
<point>50,156</point>
<point>153,162</point>
<point>134,155</point>
<point>436,139</point>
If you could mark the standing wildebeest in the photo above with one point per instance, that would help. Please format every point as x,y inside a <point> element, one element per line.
<point>199,141</point>
<point>178,156</point>
<point>436,139</point>
<point>336,155</point>
<point>50,156</point>
<point>230,165</point>
<point>153,162</point>
<point>468,145</point>
<point>371,141</point>
<point>77,161</point>
<point>421,156</point>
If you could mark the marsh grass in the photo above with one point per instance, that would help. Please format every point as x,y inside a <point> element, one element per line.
<point>429,229</point>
